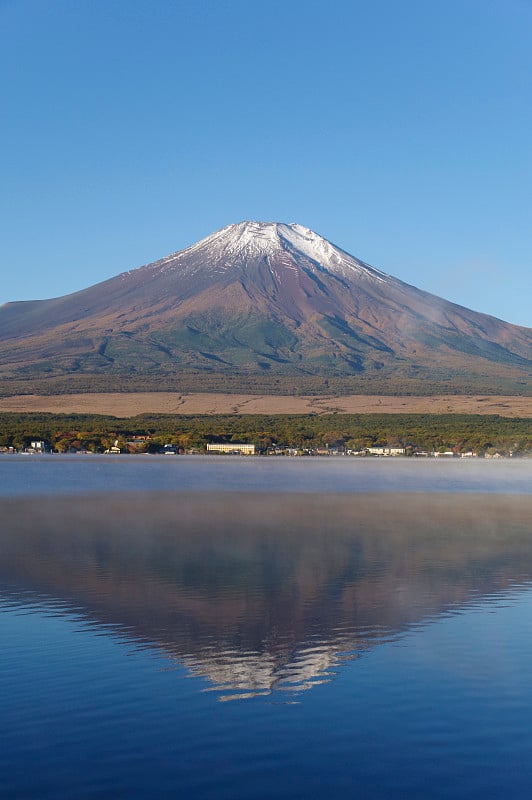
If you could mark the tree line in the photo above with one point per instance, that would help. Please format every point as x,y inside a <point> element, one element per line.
<point>385,381</point>
<point>150,432</point>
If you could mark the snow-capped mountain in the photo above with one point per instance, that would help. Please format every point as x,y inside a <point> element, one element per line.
<point>259,298</point>
<point>277,243</point>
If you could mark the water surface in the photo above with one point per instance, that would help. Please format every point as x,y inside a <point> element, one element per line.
<point>55,474</point>
<point>261,643</point>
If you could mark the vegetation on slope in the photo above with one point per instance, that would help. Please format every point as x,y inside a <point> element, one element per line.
<point>410,381</point>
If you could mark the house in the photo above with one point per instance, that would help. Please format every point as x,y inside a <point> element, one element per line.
<point>37,446</point>
<point>114,450</point>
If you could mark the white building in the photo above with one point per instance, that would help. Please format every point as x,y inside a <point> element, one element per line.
<point>386,451</point>
<point>38,445</point>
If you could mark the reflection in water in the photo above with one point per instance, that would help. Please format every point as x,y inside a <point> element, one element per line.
<point>260,592</point>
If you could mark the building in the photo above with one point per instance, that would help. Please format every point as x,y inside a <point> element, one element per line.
<point>232,448</point>
<point>386,451</point>
<point>37,446</point>
<point>114,450</point>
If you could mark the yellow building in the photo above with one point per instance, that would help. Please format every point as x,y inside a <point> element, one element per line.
<point>232,447</point>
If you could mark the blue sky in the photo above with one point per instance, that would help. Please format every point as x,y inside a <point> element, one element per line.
<point>401,131</point>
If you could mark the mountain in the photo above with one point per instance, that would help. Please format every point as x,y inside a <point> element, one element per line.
<point>268,302</point>
<point>261,592</point>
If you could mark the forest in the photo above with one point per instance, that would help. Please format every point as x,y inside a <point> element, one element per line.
<point>411,381</point>
<point>459,433</point>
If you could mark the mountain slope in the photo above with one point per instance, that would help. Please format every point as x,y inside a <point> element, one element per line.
<point>260,299</point>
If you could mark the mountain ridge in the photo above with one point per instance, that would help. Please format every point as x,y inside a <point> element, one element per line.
<point>258,299</point>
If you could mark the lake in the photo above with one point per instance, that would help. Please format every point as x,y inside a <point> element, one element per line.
<point>265,628</point>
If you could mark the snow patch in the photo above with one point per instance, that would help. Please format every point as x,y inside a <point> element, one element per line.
<point>236,245</point>
<point>326,254</point>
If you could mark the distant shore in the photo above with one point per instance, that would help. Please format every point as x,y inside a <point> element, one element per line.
<point>130,404</point>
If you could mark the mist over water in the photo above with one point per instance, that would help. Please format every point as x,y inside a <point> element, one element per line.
<point>291,632</point>
<point>59,475</point>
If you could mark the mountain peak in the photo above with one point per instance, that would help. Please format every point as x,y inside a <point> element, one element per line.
<point>242,242</point>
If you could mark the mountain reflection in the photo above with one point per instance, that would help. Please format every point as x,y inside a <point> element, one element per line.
<point>260,592</point>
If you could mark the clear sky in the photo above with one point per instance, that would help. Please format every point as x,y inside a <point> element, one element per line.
<point>400,130</point>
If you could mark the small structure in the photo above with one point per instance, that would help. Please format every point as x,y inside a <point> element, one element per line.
<point>37,446</point>
<point>114,450</point>
<point>231,448</point>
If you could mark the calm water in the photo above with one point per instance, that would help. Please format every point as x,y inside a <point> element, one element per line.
<point>23,475</point>
<point>180,627</point>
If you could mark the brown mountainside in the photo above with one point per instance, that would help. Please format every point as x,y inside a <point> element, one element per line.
<point>262,299</point>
